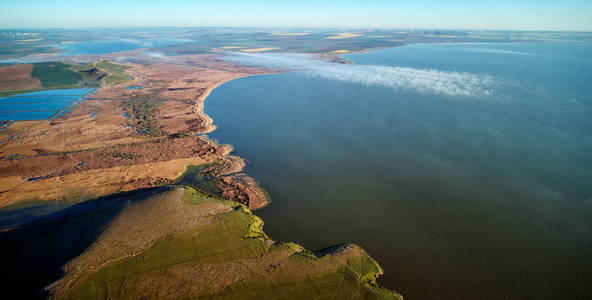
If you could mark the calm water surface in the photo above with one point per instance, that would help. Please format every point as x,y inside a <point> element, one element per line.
<point>40,104</point>
<point>115,45</point>
<point>457,197</point>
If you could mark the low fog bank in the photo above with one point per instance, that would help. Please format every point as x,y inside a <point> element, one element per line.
<point>420,80</point>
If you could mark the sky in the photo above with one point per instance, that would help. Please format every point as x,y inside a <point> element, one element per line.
<point>452,14</point>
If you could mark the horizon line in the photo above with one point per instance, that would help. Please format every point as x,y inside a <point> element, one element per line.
<point>297,27</point>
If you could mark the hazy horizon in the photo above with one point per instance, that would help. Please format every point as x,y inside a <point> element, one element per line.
<point>550,15</point>
<point>292,28</point>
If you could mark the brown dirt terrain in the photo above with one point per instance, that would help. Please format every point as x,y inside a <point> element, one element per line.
<point>96,149</point>
<point>17,77</point>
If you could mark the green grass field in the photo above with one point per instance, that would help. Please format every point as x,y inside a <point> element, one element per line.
<point>114,71</point>
<point>230,257</point>
<point>108,73</point>
<point>59,75</point>
<point>56,74</point>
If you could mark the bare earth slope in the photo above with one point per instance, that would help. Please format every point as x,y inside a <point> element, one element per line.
<point>17,77</point>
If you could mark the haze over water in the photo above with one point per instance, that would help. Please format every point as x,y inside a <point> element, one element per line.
<point>464,170</point>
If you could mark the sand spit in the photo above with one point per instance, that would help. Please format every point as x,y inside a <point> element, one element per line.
<point>259,49</point>
<point>345,35</point>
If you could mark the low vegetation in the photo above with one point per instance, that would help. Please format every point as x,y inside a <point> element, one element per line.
<point>179,135</point>
<point>126,155</point>
<point>224,254</point>
<point>142,109</point>
<point>56,74</point>
<point>103,72</point>
<point>115,72</point>
<point>14,156</point>
<point>204,181</point>
<point>60,75</point>
<point>15,92</point>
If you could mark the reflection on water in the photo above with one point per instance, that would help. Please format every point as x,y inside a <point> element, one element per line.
<point>457,197</point>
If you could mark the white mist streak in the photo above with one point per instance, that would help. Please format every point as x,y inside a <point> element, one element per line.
<point>421,80</point>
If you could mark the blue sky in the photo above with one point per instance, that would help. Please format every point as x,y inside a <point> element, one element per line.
<point>453,14</point>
